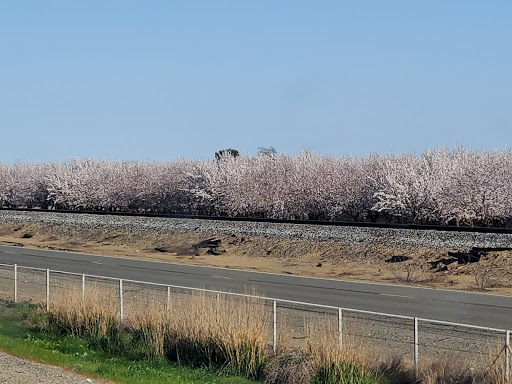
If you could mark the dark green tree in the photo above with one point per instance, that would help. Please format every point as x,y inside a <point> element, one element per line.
<point>226,152</point>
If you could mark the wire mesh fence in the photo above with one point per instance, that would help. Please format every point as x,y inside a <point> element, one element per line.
<point>289,324</point>
<point>7,282</point>
<point>385,335</point>
<point>31,285</point>
<point>477,345</point>
<point>61,284</point>
<point>303,326</point>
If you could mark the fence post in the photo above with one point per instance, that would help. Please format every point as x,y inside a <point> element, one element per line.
<point>168,297</point>
<point>121,298</point>
<point>340,327</point>
<point>275,326</point>
<point>83,286</point>
<point>15,283</point>
<point>416,346</point>
<point>507,356</point>
<point>47,290</point>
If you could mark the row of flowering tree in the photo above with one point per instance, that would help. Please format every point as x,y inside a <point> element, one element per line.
<point>440,186</point>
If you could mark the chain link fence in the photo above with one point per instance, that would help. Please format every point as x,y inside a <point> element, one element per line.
<point>293,325</point>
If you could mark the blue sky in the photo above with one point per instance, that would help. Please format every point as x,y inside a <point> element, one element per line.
<point>155,80</point>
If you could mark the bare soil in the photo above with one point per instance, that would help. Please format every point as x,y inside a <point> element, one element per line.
<point>325,259</point>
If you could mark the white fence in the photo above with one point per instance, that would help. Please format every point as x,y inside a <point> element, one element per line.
<point>293,323</point>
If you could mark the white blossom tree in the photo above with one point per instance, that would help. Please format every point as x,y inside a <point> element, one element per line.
<point>462,187</point>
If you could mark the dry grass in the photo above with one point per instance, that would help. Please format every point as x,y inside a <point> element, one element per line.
<point>295,367</point>
<point>201,330</point>
<point>350,364</point>
<point>96,318</point>
<point>320,360</point>
<point>448,369</point>
<point>230,333</point>
<point>322,363</point>
<point>233,334</point>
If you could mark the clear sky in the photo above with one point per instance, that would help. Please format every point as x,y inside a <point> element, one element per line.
<point>155,80</point>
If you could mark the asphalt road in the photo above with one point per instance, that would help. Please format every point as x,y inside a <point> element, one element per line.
<point>460,307</point>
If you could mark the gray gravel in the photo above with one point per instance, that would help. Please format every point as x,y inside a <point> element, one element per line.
<point>390,237</point>
<point>14,370</point>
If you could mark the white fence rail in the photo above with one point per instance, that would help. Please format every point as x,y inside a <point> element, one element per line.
<point>293,322</point>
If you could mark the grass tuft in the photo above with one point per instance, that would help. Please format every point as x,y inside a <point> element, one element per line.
<point>201,331</point>
<point>19,337</point>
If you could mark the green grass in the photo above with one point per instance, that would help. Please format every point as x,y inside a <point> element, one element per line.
<point>18,337</point>
<point>346,373</point>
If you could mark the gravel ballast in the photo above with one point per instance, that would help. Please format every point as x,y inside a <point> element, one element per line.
<point>434,239</point>
<point>14,370</point>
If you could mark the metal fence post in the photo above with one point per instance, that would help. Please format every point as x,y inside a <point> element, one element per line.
<point>275,326</point>
<point>416,346</point>
<point>507,356</point>
<point>83,286</point>
<point>15,283</point>
<point>47,290</point>
<point>121,298</point>
<point>340,327</point>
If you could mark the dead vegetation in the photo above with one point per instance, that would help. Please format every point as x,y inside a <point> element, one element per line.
<point>197,330</point>
<point>411,271</point>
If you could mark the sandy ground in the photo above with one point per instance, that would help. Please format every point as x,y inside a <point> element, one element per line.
<point>326,259</point>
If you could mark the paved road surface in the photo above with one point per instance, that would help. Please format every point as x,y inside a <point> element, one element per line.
<point>461,307</point>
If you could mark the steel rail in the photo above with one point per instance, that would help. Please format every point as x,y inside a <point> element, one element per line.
<point>362,224</point>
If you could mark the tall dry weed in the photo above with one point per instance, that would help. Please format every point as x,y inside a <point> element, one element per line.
<point>233,334</point>
<point>205,330</point>
<point>449,369</point>
<point>350,364</point>
<point>95,318</point>
<point>309,351</point>
<point>148,324</point>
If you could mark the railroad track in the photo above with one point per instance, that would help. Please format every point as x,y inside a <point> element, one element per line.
<point>364,224</point>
